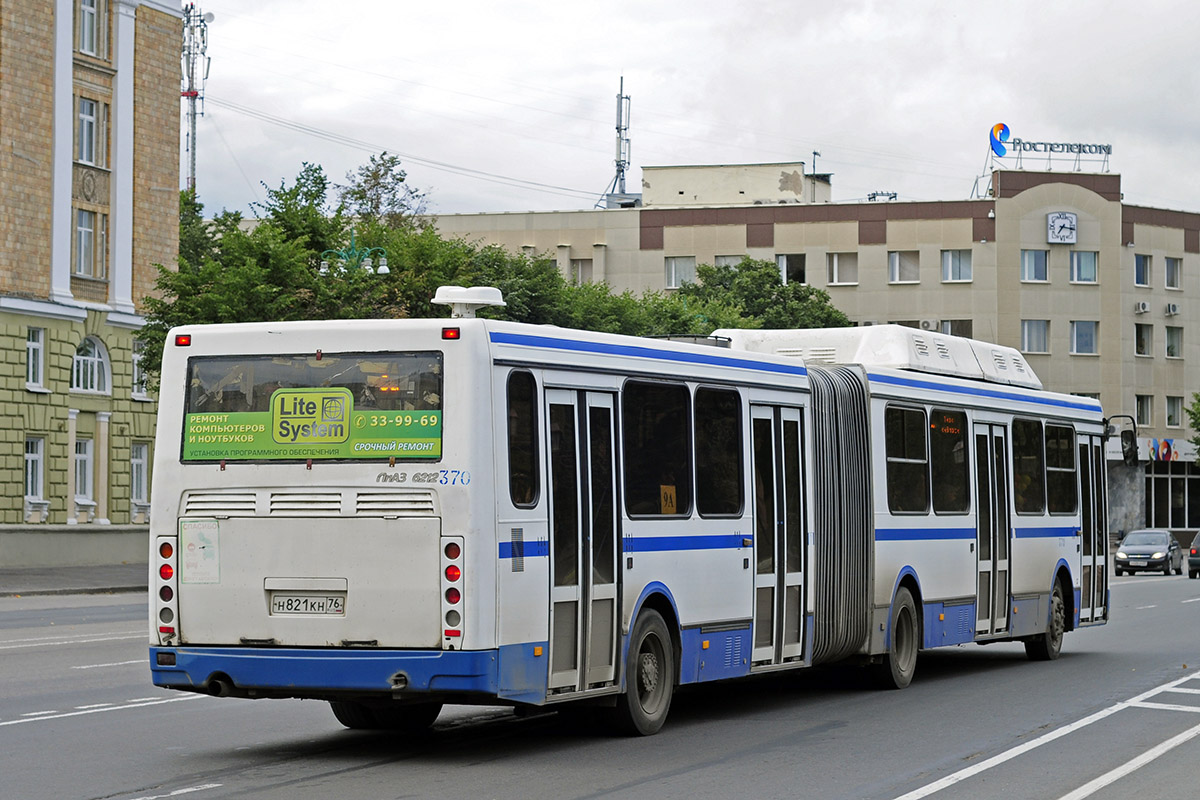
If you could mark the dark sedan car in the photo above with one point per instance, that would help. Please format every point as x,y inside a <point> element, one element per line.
<point>1194,558</point>
<point>1149,550</point>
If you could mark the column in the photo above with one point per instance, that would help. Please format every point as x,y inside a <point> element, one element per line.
<point>101,466</point>
<point>72,514</point>
<point>599,271</point>
<point>563,259</point>
<point>62,227</point>
<point>120,220</point>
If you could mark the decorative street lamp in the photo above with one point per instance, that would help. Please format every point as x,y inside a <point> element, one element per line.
<point>354,257</point>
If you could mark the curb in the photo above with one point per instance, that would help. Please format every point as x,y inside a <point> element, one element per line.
<point>93,590</point>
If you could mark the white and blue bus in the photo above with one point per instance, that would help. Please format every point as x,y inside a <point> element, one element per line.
<point>392,515</point>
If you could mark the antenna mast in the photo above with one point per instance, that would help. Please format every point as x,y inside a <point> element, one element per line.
<point>195,65</point>
<point>616,190</point>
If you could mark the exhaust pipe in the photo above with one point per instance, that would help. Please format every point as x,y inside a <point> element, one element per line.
<point>220,687</point>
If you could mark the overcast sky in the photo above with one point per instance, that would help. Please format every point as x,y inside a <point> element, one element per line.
<point>511,106</point>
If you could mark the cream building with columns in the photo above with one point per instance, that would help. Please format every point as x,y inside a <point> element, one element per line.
<point>1097,294</point>
<point>89,126</point>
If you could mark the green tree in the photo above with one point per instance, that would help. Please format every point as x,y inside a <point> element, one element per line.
<point>756,288</point>
<point>1193,412</point>
<point>377,192</point>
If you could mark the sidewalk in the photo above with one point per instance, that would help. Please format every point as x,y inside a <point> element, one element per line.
<point>107,579</point>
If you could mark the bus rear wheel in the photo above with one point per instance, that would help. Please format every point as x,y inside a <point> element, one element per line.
<point>649,677</point>
<point>400,717</point>
<point>900,662</point>
<point>1047,646</point>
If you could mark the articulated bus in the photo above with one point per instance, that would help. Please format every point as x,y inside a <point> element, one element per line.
<point>391,515</point>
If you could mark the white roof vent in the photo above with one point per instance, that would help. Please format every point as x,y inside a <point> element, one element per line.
<point>463,301</point>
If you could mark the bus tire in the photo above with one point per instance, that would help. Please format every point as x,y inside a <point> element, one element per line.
<point>1047,646</point>
<point>406,717</point>
<point>900,662</point>
<point>649,677</point>
<point>354,716</point>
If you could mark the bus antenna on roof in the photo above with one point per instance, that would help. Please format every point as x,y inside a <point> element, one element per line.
<point>464,301</point>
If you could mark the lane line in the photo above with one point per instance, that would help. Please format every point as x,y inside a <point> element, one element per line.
<point>1046,738</point>
<point>40,714</point>
<point>1167,707</point>
<point>113,664</point>
<point>73,641</point>
<point>1183,691</point>
<point>1143,608</point>
<point>100,710</point>
<point>67,636</point>
<point>93,705</point>
<point>1088,789</point>
<point>1193,600</point>
<point>189,790</point>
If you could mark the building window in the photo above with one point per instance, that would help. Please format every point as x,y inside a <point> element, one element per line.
<point>956,327</point>
<point>83,469</point>
<point>727,261</point>
<point>90,371</point>
<point>956,265</point>
<point>1141,270</point>
<point>1033,265</point>
<point>680,270</point>
<point>139,462</point>
<point>35,358</point>
<point>581,271</point>
<point>843,268</point>
<point>904,266</point>
<point>35,447</point>
<point>91,244</point>
<point>1084,337</point>
<point>1035,336</point>
<point>1174,412</point>
<point>1143,339</point>
<point>1173,270</point>
<point>86,152</point>
<point>139,374</point>
<point>1145,409</point>
<point>88,27</point>
<point>1174,342</point>
<point>1083,266</point>
<point>791,267</point>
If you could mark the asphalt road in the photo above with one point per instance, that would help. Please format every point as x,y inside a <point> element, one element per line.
<point>1117,716</point>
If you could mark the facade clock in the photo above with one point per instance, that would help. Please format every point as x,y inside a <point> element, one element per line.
<point>1060,227</point>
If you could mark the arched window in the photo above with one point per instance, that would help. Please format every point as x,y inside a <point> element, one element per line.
<point>91,371</point>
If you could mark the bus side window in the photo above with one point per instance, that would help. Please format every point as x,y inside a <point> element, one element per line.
<point>948,462</point>
<point>522,440</point>
<point>656,421</point>
<point>718,432</point>
<point>1062,483</point>
<point>1029,469</point>
<point>907,460</point>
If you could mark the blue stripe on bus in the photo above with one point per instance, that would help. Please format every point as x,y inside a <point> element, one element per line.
<point>534,549</point>
<point>922,534</point>
<point>994,394</point>
<point>659,544</point>
<point>605,348</point>
<point>1046,533</point>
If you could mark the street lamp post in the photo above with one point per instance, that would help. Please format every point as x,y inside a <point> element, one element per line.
<point>354,257</point>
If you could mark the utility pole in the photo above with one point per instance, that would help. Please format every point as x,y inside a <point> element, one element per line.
<point>195,65</point>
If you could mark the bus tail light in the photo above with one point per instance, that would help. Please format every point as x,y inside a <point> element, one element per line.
<point>453,589</point>
<point>165,597</point>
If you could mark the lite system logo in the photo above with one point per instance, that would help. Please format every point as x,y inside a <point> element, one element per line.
<point>999,134</point>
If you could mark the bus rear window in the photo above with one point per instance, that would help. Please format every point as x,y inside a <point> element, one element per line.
<point>328,406</point>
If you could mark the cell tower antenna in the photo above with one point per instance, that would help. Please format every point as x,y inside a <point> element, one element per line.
<point>195,64</point>
<point>617,187</point>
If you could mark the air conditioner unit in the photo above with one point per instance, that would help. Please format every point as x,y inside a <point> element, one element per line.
<point>929,325</point>
<point>1141,307</point>
<point>1172,309</point>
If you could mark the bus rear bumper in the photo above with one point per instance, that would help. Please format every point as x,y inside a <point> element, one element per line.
<point>297,672</point>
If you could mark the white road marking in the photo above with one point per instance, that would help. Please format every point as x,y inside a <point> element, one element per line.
<point>113,664</point>
<point>1178,690</point>
<point>56,715</point>
<point>1143,608</point>
<point>93,705</point>
<point>67,636</point>
<point>1088,789</point>
<point>40,713</point>
<point>1045,738</point>
<point>84,640</point>
<point>178,792</point>
<point>1193,600</point>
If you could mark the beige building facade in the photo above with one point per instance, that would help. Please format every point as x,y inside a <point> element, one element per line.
<point>1097,294</point>
<point>89,117</point>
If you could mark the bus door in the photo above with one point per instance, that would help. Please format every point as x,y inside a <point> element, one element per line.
<point>778,444</point>
<point>992,529</point>
<point>583,539</point>
<point>1093,574</point>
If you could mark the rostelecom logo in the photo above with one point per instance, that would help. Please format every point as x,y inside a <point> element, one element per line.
<point>999,135</point>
